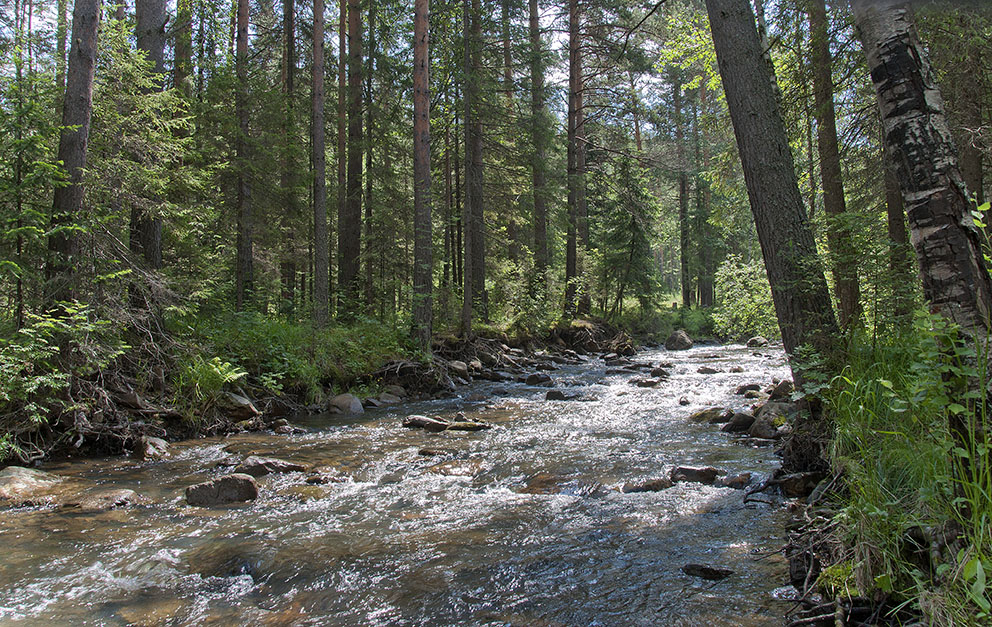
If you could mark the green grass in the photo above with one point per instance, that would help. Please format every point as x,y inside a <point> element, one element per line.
<point>905,475</point>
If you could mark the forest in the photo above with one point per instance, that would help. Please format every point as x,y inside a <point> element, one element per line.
<point>217,212</point>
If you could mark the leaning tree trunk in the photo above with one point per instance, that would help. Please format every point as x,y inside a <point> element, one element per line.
<point>77,108</point>
<point>422,258</point>
<point>799,290</point>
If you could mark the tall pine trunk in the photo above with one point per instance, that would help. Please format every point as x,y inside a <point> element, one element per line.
<point>350,222</point>
<point>145,230</point>
<point>844,266</point>
<point>799,290</point>
<point>243,274</point>
<point>77,108</point>
<point>684,239</point>
<point>573,170</point>
<point>287,179</point>
<point>321,257</point>
<point>422,257</point>
<point>539,133</point>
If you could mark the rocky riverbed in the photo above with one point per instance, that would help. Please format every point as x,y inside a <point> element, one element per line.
<point>584,491</point>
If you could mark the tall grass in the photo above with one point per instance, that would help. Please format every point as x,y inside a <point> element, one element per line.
<point>917,510</point>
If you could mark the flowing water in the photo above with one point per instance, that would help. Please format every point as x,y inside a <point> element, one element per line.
<point>523,524</point>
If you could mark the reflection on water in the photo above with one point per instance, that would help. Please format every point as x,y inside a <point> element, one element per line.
<point>523,524</point>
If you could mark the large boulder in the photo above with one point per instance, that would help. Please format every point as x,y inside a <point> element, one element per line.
<point>782,390</point>
<point>757,342</point>
<point>765,428</point>
<point>260,466</point>
<point>678,341</point>
<point>348,404</point>
<point>238,407</point>
<point>706,475</point>
<point>235,488</point>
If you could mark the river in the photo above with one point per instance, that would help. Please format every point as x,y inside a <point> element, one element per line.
<point>522,524</point>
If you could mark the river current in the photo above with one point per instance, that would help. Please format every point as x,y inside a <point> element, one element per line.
<point>521,524</point>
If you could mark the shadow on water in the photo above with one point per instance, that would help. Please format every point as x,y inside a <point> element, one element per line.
<point>523,524</point>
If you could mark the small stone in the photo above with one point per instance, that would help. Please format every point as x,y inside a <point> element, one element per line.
<point>238,407</point>
<point>683,400</point>
<point>284,430</point>
<point>659,372</point>
<point>750,387</point>
<point>711,573</point>
<point>654,485</point>
<point>752,394</point>
<point>434,452</point>
<point>557,395</point>
<point>705,475</point>
<point>736,369</point>
<point>645,383</point>
<point>235,488</point>
<point>737,482</point>
<point>281,422</point>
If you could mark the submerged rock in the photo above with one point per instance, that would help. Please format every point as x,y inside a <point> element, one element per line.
<point>712,573</point>
<point>104,500</point>
<point>678,341</point>
<point>235,488</point>
<point>705,475</point>
<point>654,485</point>
<point>707,415</point>
<point>260,466</point>
<point>26,486</point>
<point>458,467</point>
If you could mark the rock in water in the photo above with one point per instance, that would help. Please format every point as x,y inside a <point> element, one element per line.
<point>764,428</point>
<point>468,425</point>
<point>739,423</point>
<point>737,482</point>
<point>152,448</point>
<point>538,378</point>
<point>744,389</point>
<point>238,407</point>
<point>706,475</point>
<point>104,500</point>
<point>708,370</point>
<point>678,341</point>
<point>348,403</point>
<point>423,422</point>
<point>21,486</point>
<point>707,415</point>
<point>757,342</point>
<point>703,571</point>
<point>236,488</point>
<point>261,466</point>
<point>655,485</point>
